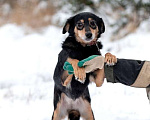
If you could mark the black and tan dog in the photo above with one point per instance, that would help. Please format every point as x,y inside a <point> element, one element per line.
<point>84,30</point>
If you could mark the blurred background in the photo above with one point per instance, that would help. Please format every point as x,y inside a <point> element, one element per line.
<point>123,15</point>
<point>30,40</point>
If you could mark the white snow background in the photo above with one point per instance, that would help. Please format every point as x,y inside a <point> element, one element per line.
<point>27,62</point>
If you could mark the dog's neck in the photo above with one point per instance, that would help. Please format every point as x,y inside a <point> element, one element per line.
<point>93,42</point>
<point>71,42</point>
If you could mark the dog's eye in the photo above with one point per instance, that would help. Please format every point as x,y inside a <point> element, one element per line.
<point>80,25</point>
<point>93,24</point>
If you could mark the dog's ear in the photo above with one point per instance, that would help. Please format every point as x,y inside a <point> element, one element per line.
<point>101,25</point>
<point>67,25</point>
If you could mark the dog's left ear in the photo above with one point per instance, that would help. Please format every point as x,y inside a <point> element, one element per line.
<point>68,24</point>
<point>101,25</point>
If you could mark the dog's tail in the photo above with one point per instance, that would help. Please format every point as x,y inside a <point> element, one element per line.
<point>74,115</point>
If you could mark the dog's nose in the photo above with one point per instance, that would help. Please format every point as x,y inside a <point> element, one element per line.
<point>88,34</point>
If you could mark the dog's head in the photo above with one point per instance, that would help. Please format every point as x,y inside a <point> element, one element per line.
<point>86,27</point>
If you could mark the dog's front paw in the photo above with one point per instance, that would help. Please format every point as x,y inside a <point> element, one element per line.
<point>80,74</point>
<point>110,59</point>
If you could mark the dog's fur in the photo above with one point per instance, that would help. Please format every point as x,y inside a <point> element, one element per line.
<point>84,30</point>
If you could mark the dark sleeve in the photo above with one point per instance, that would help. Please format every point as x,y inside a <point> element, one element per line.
<point>125,71</point>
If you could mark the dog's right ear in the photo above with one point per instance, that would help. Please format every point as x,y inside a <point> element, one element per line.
<point>68,23</point>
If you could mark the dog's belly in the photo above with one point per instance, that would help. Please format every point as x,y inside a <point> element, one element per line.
<point>67,104</point>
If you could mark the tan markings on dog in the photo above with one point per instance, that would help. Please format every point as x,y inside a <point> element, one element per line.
<point>74,63</point>
<point>78,72</point>
<point>58,114</point>
<point>87,114</point>
<point>67,27</point>
<point>95,33</point>
<point>79,35</point>
<point>89,19</point>
<point>64,76</point>
<point>68,80</point>
<point>82,20</point>
<point>79,106</point>
<point>99,77</point>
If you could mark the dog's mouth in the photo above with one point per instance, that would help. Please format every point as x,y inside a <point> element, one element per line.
<point>87,41</point>
<point>90,41</point>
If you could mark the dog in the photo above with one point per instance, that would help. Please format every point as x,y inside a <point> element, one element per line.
<point>74,101</point>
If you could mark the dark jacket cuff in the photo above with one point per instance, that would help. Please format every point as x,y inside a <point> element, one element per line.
<point>109,74</point>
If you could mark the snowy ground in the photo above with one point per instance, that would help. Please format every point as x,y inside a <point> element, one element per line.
<point>27,62</point>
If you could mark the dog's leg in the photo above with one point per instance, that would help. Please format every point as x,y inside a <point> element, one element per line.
<point>60,111</point>
<point>110,59</point>
<point>98,75</point>
<point>99,78</point>
<point>79,73</point>
<point>87,114</point>
<point>56,114</point>
<point>68,80</point>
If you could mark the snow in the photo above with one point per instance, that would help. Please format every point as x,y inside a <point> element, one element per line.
<point>26,68</point>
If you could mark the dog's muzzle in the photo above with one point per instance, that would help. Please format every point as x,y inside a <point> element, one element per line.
<point>88,35</point>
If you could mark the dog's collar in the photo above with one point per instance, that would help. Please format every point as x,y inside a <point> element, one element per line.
<point>92,43</point>
<point>89,44</point>
<point>98,48</point>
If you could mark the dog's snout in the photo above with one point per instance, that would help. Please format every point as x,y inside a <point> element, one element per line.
<point>88,34</point>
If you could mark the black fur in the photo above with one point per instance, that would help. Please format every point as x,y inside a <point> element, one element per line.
<point>73,49</point>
